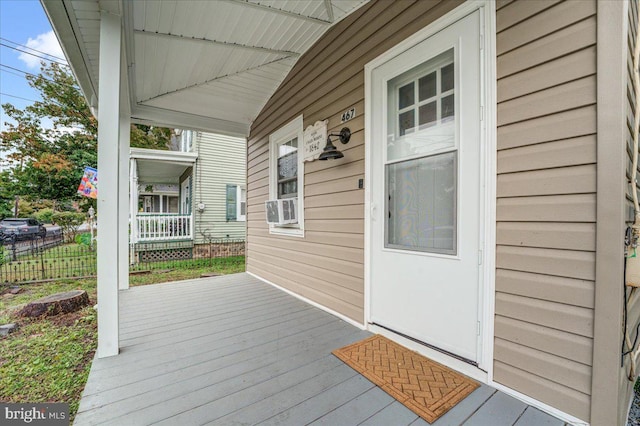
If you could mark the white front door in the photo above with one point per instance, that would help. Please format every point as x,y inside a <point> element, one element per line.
<point>425,193</point>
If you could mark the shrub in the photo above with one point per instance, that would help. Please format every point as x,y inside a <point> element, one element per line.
<point>83,239</point>
<point>69,222</point>
<point>45,215</point>
<point>24,208</point>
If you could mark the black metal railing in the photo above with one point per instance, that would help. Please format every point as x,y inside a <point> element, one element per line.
<point>49,259</point>
<point>44,259</point>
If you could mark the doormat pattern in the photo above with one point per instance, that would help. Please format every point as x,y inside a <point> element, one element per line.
<point>425,387</point>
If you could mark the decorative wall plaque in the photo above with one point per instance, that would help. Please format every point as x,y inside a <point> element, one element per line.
<point>315,138</point>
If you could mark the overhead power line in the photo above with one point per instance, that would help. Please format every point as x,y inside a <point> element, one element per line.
<point>33,100</point>
<point>19,70</point>
<point>37,75</point>
<point>11,72</point>
<point>18,97</point>
<point>33,54</point>
<point>31,48</point>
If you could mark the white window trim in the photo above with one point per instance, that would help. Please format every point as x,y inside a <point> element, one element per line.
<point>240,217</point>
<point>287,132</point>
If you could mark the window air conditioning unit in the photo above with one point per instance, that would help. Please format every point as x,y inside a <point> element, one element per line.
<point>282,212</point>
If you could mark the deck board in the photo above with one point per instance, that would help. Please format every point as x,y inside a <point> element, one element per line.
<point>273,404</point>
<point>500,409</point>
<point>393,414</point>
<point>466,408</point>
<point>323,403</point>
<point>535,417</point>
<point>233,350</point>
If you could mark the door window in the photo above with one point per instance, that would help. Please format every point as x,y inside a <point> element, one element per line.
<point>421,106</point>
<point>422,204</point>
<point>421,165</point>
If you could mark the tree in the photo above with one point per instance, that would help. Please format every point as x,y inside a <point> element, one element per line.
<point>150,137</point>
<point>46,157</point>
<point>6,194</point>
<point>50,159</point>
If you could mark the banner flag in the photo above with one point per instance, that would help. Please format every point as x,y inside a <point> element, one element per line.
<point>89,183</point>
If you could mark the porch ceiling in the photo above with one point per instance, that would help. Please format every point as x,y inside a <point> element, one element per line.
<point>155,166</point>
<point>211,65</point>
<point>154,171</point>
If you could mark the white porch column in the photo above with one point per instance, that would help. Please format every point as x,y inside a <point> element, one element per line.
<point>133,199</point>
<point>123,196</point>
<point>108,159</point>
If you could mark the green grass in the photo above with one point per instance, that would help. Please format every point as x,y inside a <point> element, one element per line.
<point>48,359</point>
<point>30,292</point>
<point>177,270</point>
<point>45,361</point>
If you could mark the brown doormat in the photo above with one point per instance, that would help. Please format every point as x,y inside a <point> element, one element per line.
<point>425,387</point>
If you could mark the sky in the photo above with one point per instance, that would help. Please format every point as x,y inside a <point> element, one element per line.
<point>23,26</point>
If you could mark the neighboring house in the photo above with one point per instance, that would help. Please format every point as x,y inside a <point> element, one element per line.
<point>191,196</point>
<point>478,212</point>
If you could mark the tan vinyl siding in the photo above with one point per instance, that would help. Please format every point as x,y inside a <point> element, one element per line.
<point>221,161</point>
<point>327,265</point>
<point>546,204</point>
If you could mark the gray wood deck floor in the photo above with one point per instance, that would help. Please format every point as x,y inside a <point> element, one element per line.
<point>234,351</point>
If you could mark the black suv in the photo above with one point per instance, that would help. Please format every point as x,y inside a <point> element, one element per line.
<point>21,229</point>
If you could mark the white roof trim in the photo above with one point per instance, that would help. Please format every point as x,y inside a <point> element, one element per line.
<point>144,114</point>
<point>159,155</point>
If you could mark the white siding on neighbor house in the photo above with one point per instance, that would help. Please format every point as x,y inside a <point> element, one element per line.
<point>221,161</point>
<point>546,206</point>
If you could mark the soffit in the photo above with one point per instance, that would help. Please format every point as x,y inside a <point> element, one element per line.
<point>214,60</point>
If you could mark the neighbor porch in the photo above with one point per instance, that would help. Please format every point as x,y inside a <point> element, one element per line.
<point>160,195</point>
<point>234,350</point>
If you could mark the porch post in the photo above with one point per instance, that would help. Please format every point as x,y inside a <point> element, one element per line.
<point>123,198</point>
<point>133,199</point>
<point>108,159</point>
<point>609,386</point>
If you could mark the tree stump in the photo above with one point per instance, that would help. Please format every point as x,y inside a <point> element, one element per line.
<point>59,303</point>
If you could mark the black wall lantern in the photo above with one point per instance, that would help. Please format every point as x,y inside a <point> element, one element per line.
<point>330,151</point>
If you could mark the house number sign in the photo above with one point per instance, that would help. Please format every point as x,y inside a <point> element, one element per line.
<point>348,115</point>
<point>314,140</point>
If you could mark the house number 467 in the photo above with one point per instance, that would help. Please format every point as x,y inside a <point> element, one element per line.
<point>348,115</point>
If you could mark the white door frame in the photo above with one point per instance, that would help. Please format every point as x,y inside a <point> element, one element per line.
<point>488,151</point>
<point>183,194</point>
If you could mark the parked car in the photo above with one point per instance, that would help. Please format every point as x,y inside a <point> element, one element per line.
<point>21,229</point>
